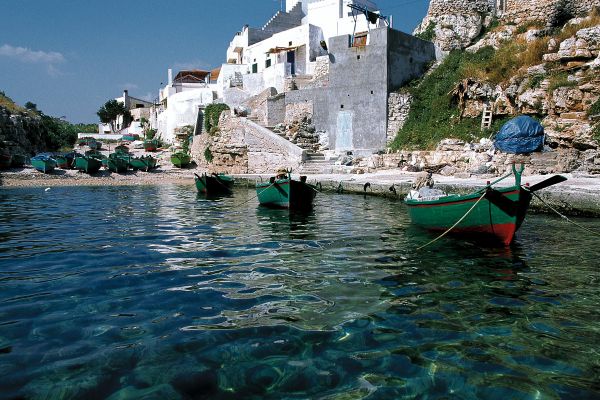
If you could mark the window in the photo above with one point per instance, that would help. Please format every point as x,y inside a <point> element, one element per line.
<point>360,39</point>
<point>254,68</point>
<point>268,63</point>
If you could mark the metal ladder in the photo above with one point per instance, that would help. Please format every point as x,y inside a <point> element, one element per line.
<point>486,117</point>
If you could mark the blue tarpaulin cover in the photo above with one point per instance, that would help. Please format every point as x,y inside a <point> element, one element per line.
<point>520,135</point>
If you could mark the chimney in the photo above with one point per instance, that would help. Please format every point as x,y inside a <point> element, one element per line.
<point>170,80</point>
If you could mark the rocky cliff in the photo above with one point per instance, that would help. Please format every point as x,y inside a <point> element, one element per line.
<point>549,72</point>
<point>21,131</point>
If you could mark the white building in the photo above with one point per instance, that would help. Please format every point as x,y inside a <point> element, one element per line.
<point>290,42</point>
<point>138,108</point>
<point>181,100</point>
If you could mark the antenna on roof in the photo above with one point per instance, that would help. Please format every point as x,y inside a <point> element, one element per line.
<point>360,7</point>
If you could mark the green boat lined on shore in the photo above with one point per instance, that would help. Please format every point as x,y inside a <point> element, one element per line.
<point>487,214</point>
<point>214,183</point>
<point>88,164</point>
<point>180,159</point>
<point>150,145</point>
<point>284,192</point>
<point>143,163</point>
<point>116,162</point>
<point>43,163</point>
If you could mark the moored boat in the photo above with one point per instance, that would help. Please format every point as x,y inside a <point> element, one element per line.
<point>488,213</point>
<point>61,161</point>
<point>43,163</point>
<point>284,192</point>
<point>71,156</point>
<point>214,183</point>
<point>180,159</point>
<point>144,163</point>
<point>150,145</point>
<point>88,164</point>
<point>116,162</point>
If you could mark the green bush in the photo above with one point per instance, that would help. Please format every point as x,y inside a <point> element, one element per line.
<point>212,114</point>
<point>429,32</point>
<point>560,79</point>
<point>208,156</point>
<point>433,114</point>
<point>594,109</point>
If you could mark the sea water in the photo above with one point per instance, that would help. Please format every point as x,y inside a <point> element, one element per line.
<point>156,292</point>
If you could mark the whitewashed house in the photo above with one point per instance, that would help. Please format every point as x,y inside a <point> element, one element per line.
<point>181,101</point>
<point>290,42</point>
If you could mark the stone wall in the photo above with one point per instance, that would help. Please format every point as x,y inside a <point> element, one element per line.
<point>438,8</point>
<point>321,73</point>
<point>257,105</point>
<point>398,109</point>
<point>298,111</point>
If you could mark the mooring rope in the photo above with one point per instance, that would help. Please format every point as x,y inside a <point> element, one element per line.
<point>454,226</point>
<point>564,216</point>
<point>254,197</point>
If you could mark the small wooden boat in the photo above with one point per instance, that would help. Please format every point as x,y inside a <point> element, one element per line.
<point>214,183</point>
<point>116,162</point>
<point>71,156</point>
<point>43,163</point>
<point>61,161</point>
<point>488,213</point>
<point>18,160</point>
<point>130,137</point>
<point>150,145</point>
<point>122,148</point>
<point>5,160</point>
<point>94,145</point>
<point>285,192</point>
<point>88,164</point>
<point>143,163</point>
<point>95,154</point>
<point>180,159</point>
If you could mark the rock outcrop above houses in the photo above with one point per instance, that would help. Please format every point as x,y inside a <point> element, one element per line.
<point>21,132</point>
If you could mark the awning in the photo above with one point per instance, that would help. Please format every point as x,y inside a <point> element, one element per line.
<point>276,50</point>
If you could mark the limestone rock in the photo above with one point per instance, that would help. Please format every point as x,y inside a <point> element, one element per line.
<point>494,39</point>
<point>567,99</point>
<point>533,101</point>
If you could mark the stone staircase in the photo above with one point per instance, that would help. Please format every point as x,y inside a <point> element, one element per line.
<point>316,163</point>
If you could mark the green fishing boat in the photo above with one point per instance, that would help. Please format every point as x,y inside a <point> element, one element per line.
<point>88,164</point>
<point>487,214</point>
<point>214,183</point>
<point>143,163</point>
<point>116,162</point>
<point>180,159</point>
<point>284,192</point>
<point>61,161</point>
<point>43,163</point>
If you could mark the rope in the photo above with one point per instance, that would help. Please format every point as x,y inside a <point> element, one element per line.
<point>564,216</point>
<point>252,198</point>
<point>453,226</point>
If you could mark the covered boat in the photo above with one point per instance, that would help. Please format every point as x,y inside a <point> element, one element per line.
<point>214,183</point>
<point>43,163</point>
<point>284,192</point>
<point>488,213</point>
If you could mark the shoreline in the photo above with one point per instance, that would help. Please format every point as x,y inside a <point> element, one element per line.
<point>579,195</point>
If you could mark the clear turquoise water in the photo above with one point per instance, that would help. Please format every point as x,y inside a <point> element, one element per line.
<point>154,292</point>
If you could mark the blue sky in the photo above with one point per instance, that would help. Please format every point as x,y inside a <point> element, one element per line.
<point>71,56</point>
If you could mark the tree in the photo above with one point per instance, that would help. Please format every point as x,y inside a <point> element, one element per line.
<point>31,106</point>
<point>111,111</point>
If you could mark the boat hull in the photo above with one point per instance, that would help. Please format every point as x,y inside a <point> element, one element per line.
<point>180,160</point>
<point>485,221</point>
<point>214,184</point>
<point>89,165</point>
<point>44,165</point>
<point>286,193</point>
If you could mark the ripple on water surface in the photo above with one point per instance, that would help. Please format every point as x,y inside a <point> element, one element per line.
<point>129,292</point>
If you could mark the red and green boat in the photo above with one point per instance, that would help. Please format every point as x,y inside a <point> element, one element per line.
<point>150,145</point>
<point>488,213</point>
<point>285,192</point>
<point>214,183</point>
